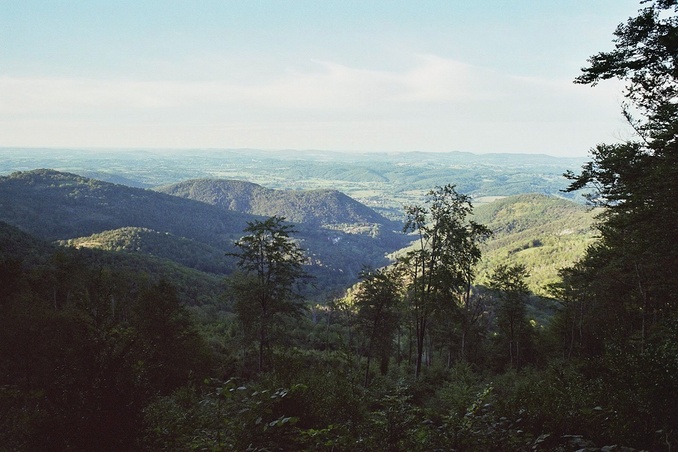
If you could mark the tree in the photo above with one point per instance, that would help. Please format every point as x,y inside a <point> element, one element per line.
<point>645,57</point>
<point>377,300</point>
<point>508,281</point>
<point>171,347</point>
<point>472,323</point>
<point>440,267</point>
<point>271,264</point>
<point>637,181</point>
<point>573,325</point>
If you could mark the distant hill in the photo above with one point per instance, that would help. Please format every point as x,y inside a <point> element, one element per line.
<point>312,207</point>
<point>54,205</point>
<point>383,181</point>
<point>88,213</point>
<point>545,233</point>
<point>183,251</point>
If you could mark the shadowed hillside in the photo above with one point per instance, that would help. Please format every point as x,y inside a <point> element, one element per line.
<point>88,213</point>
<point>54,205</point>
<point>544,233</point>
<point>313,207</point>
<point>20,251</point>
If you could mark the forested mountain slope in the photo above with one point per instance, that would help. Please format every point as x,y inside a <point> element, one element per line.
<point>545,233</point>
<point>60,206</point>
<point>187,252</point>
<point>20,251</point>
<point>313,207</point>
<point>54,205</point>
<point>19,246</point>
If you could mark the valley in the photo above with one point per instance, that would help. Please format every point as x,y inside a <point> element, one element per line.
<point>340,204</point>
<point>382,181</point>
<point>134,256</point>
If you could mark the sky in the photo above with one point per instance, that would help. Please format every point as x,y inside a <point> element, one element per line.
<point>352,75</point>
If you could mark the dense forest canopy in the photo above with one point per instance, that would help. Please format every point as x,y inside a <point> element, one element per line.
<point>138,320</point>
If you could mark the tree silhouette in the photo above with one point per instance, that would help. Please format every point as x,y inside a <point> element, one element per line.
<point>270,263</point>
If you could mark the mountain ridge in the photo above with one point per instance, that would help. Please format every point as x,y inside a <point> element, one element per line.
<point>186,252</point>
<point>543,232</point>
<point>78,206</point>
<point>316,207</point>
<point>54,206</point>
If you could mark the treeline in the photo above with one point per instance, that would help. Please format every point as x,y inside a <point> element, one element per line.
<point>186,252</point>
<point>85,347</point>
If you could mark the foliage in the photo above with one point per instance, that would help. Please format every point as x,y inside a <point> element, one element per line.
<point>440,268</point>
<point>186,252</point>
<point>84,348</point>
<point>97,357</point>
<point>271,264</point>
<point>229,416</point>
<point>644,57</point>
<point>543,233</point>
<point>515,333</point>
<point>631,272</point>
<point>378,301</point>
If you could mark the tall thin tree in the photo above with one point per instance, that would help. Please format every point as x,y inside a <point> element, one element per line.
<point>446,249</point>
<point>271,264</point>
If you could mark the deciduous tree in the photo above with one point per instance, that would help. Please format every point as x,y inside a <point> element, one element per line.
<point>271,264</point>
<point>440,267</point>
<point>378,301</point>
<point>508,282</point>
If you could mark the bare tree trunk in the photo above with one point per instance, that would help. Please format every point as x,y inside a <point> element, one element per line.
<point>643,294</point>
<point>421,330</point>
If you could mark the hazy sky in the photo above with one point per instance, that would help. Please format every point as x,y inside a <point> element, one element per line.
<point>479,76</point>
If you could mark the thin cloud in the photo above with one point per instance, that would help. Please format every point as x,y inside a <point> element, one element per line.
<point>332,86</point>
<point>433,100</point>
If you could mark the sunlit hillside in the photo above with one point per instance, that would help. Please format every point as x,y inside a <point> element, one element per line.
<point>542,232</point>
